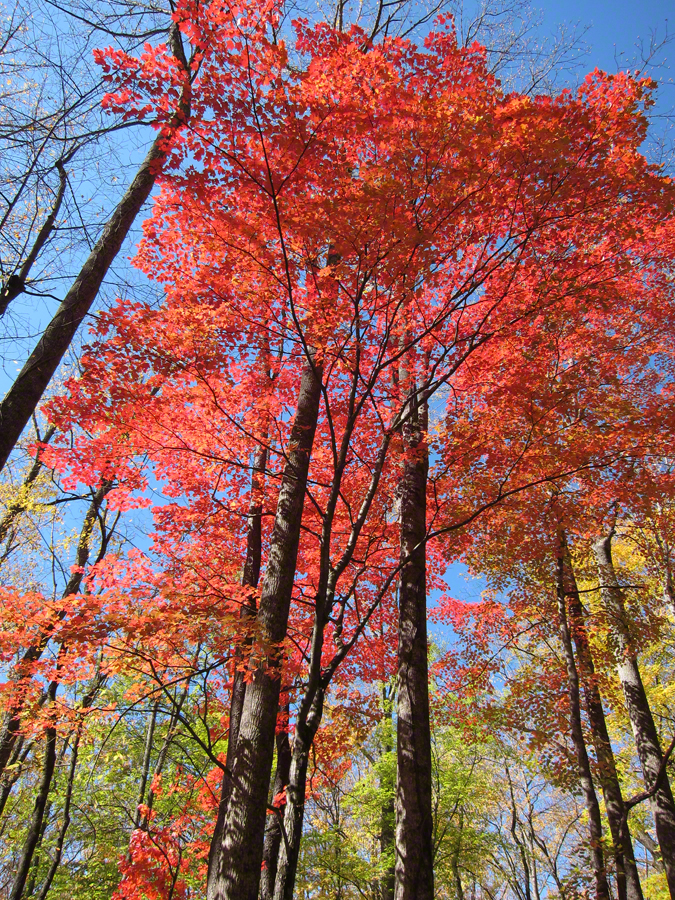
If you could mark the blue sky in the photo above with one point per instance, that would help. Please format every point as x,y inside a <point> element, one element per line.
<point>615,25</point>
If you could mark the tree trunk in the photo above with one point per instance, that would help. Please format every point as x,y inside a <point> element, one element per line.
<point>25,394</point>
<point>628,879</point>
<point>23,672</point>
<point>289,851</point>
<point>583,764</point>
<point>16,283</point>
<point>273,827</point>
<point>414,820</point>
<point>36,822</point>
<point>65,824</point>
<point>644,730</point>
<point>145,765</point>
<point>238,856</point>
<point>250,578</point>
<point>21,503</point>
<point>388,811</point>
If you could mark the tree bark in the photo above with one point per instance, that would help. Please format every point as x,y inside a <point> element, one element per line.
<point>250,578</point>
<point>23,672</point>
<point>238,856</point>
<point>36,822</point>
<point>289,850</point>
<point>388,811</point>
<point>25,394</point>
<point>639,711</point>
<point>145,765</point>
<point>583,763</point>
<point>65,824</point>
<point>628,879</point>
<point>414,820</point>
<point>273,831</point>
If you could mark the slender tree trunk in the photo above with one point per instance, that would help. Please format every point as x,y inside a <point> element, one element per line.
<point>238,857</point>
<point>289,850</point>
<point>65,824</point>
<point>250,578</point>
<point>15,767</point>
<point>20,504</point>
<point>583,763</point>
<point>388,811</point>
<point>23,397</point>
<point>414,820</point>
<point>454,859</point>
<point>36,822</point>
<point>273,827</point>
<point>16,283</point>
<point>164,752</point>
<point>628,879</point>
<point>145,765</point>
<point>644,730</point>
<point>23,672</point>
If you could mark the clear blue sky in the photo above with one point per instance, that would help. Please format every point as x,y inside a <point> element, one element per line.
<point>614,24</point>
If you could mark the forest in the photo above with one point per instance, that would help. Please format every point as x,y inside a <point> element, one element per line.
<point>337,491</point>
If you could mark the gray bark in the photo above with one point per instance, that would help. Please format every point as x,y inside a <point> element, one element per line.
<point>65,823</point>
<point>35,826</point>
<point>644,730</point>
<point>289,850</point>
<point>414,819</point>
<point>273,833</point>
<point>628,879</point>
<point>238,856</point>
<point>583,763</point>
<point>250,578</point>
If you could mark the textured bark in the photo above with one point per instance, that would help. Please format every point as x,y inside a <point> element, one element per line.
<point>65,823</point>
<point>644,730</point>
<point>273,832</point>
<point>37,819</point>
<point>250,578</point>
<point>576,730</point>
<point>23,671</point>
<point>25,394</point>
<point>414,821</point>
<point>238,856</point>
<point>627,877</point>
<point>289,850</point>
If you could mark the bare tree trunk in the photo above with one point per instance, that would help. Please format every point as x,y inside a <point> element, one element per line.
<point>273,828</point>
<point>644,730</point>
<point>454,859</point>
<point>388,812</point>
<point>20,504</point>
<point>65,824</point>
<point>289,850</point>
<point>16,283</point>
<point>25,394</point>
<point>238,857</point>
<point>145,764</point>
<point>628,879</point>
<point>414,819</point>
<point>36,822</point>
<point>250,578</point>
<point>583,764</point>
<point>23,671</point>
